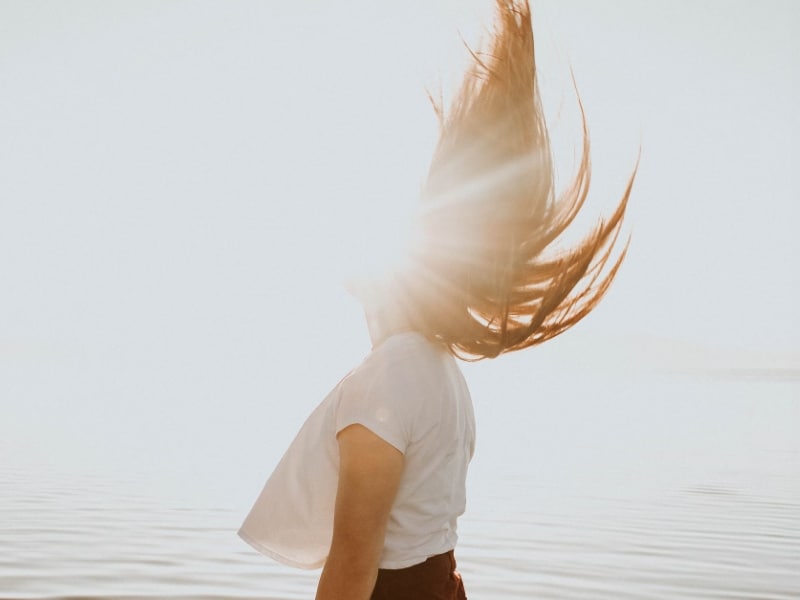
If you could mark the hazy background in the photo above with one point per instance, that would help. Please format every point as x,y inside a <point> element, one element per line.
<point>183,186</point>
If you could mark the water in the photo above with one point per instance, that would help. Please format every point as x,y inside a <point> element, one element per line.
<point>665,488</point>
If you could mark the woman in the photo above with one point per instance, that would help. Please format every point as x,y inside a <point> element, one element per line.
<point>373,485</point>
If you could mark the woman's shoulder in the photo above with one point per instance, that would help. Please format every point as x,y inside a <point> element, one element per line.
<point>407,356</point>
<point>406,350</point>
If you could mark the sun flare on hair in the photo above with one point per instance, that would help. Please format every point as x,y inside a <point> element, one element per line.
<point>479,258</point>
<point>491,274</point>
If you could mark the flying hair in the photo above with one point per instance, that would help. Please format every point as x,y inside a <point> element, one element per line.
<point>489,272</point>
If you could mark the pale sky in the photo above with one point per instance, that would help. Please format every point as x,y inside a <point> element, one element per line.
<point>184,184</point>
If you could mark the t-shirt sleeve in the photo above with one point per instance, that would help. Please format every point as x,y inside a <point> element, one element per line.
<point>383,400</point>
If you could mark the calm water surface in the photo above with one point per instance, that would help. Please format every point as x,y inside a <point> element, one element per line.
<point>693,492</point>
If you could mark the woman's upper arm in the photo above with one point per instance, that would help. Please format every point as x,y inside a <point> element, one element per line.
<point>369,475</point>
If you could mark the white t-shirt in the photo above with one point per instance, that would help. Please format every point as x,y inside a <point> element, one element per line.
<point>411,393</point>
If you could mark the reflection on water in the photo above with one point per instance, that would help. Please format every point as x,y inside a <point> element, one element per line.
<point>697,543</point>
<point>728,528</point>
<point>71,538</point>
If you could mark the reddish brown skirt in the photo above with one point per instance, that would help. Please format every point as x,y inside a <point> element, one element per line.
<point>434,579</point>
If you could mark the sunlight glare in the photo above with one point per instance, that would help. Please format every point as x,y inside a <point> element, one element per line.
<point>378,240</point>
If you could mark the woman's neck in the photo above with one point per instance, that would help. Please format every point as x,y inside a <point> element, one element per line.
<point>383,324</point>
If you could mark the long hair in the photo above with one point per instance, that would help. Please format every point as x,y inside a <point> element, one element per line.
<point>490,274</point>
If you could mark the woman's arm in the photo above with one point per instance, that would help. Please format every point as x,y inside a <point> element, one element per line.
<point>369,474</point>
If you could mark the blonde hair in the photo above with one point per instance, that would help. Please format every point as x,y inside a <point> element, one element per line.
<point>487,274</point>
